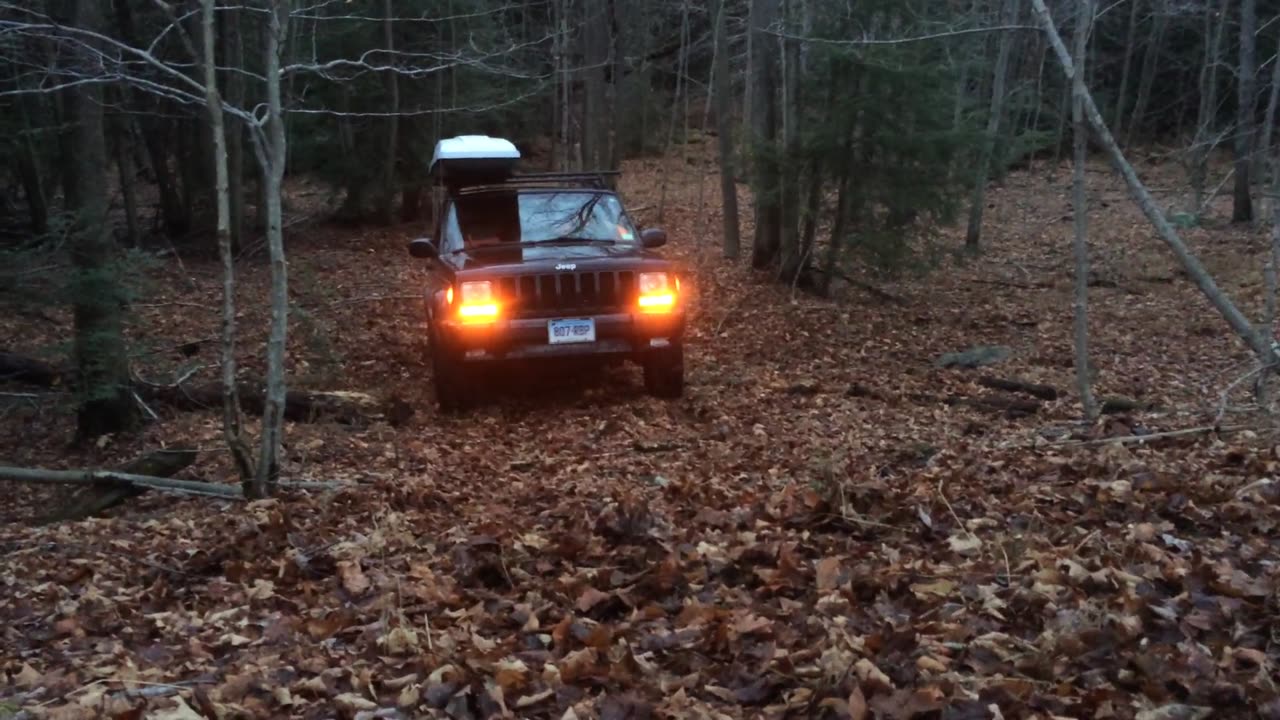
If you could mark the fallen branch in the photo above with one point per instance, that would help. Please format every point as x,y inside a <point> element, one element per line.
<point>300,405</point>
<point>1126,439</point>
<point>99,498</point>
<point>877,292</point>
<point>95,477</point>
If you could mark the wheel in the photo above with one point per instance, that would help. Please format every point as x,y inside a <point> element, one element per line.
<point>664,373</point>
<point>449,379</point>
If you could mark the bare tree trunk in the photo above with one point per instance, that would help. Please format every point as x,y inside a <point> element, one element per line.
<point>1150,63</point>
<point>792,256</point>
<point>172,210</point>
<point>272,155</point>
<point>831,266</point>
<point>1079,203</point>
<point>724,132</point>
<point>1117,120</point>
<point>386,202</point>
<point>1268,127</point>
<point>102,358</point>
<point>1246,98</point>
<point>595,116</point>
<point>1203,144</point>
<point>1239,323</point>
<point>234,52</point>
<point>566,80</point>
<point>682,88</point>
<point>764,122</point>
<point>973,235</point>
<point>124,165</point>
<point>232,428</point>
<point>28,169</point>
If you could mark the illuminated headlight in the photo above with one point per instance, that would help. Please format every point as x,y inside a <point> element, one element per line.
<point>657,292</point>
<point>478,303</point>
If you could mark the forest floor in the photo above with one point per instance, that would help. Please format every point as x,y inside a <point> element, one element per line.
<point>823,527</point>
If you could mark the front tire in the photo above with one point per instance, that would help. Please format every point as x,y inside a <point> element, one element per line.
<point>664,373</point>
<point>450,380</point>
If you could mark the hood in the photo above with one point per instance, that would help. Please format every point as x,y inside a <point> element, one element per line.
<point>535,258</point>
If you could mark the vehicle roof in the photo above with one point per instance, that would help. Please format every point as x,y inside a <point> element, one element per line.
<point>474,147</point>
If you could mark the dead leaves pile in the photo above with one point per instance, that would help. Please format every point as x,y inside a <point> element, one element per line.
<point>772,546</point>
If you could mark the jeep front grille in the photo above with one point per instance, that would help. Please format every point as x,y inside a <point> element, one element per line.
<point>551,294</point>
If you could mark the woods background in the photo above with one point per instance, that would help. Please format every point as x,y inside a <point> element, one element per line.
<point>136,130</point>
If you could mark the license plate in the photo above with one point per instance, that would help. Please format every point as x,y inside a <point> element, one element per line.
<point>573,330</point>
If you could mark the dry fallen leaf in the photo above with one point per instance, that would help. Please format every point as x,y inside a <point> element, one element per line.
<point>352,702</point>
<point>400,641</point>
<point>828,574</point>
<point>352,577</point>
<point>939,588</point>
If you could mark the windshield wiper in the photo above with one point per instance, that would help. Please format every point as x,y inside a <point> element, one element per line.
<point>570,240</point>
<point>537,243</point>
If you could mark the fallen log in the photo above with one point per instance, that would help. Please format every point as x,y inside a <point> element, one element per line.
<point>1044,392</point>
<point>1012,407</point>
<point>96,477</point>
<point>300,405</point>
<point>29,370</point>
<point>99,498</point>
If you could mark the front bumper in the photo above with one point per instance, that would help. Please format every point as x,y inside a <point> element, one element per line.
<point>617,334</point>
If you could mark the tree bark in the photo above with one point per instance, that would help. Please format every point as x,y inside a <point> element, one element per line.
<point>724,135</point>
<point>1246,98</point>
<point>1080,211</point>
<point>764,126</point>
<point>977,201</point>
<point>101,355</point>
<point>1195,270</point>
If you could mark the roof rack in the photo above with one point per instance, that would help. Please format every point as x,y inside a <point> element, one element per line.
<point>596,179</point>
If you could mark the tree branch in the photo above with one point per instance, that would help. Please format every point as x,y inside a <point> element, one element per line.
<point>93,477</point>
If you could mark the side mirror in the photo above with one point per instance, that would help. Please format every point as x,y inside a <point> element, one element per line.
<point>653,237</point>
<point>422,248</point>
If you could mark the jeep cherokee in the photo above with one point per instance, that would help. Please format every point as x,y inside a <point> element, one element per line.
<point>541,266</point>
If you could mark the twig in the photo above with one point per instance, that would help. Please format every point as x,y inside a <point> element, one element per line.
<point>145,407</point>
<point>1222,403</point>
<point>1124,439</point>
<point>952,510</point>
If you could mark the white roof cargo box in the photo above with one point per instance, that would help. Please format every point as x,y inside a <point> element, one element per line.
<point>474,158</point>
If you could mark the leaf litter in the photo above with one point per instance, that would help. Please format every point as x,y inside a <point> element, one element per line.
<point>859,553</point>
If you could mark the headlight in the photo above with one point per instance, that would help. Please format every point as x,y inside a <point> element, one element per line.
<point>657,294</point>
<point>478,303</point>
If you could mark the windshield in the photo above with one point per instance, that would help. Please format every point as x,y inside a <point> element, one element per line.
<point>535,218</point>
